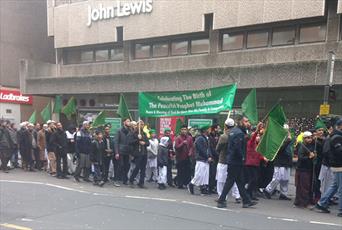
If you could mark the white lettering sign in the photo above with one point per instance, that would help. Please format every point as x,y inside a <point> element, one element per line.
<point>120,9</point>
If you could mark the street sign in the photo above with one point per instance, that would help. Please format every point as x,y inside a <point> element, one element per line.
<point>199,123</point>
<point>324,109</point>
<point>115,123</point>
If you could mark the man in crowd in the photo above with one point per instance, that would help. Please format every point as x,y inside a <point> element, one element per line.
<point>60,143</point>
<point>213,140</point>
<point>152,152</point>
<point>83,149</point>
<point>184,149</point>
<point>97,158</point>
<point>235,160</point>
<point>203,157</point>
<point>221,173</point>
<point>123,150</point>
<point>41,142</point>
<point>167,133</point>
<point>14,136</point>
<point>108,154</point>
<point>6,145</point>
<point>50,148</point>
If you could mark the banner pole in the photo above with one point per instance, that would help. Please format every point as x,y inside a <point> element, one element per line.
<point>228,114</point>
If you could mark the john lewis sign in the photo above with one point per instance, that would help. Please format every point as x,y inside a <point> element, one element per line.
<point>119,9</point>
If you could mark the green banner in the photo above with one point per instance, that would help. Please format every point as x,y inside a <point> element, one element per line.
<point>115,123</point>
<point>199,123</point>
<point>208,101</point>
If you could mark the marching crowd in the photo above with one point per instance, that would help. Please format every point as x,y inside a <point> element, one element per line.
<point>215,161</point>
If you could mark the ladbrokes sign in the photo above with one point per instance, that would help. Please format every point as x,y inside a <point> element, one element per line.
<point>14,96</point>
<point>119,9</point>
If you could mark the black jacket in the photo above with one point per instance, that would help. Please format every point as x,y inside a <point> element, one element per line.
<point>111,145</point>
<point>284,155</point>
<point>59,142</point>
<point>237,145</point>
<point>6,142</point>
<point>122,146</point>
<point>162,156</point>
<point>335,156</point>
<point>202,150</point>
<point>97,152</point>
<point>49,145</point>
<point>137,149</point>
<point>304,162</point>
<point>25,141</point>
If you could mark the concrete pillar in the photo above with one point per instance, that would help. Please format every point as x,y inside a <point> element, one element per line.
<point>333,22</point>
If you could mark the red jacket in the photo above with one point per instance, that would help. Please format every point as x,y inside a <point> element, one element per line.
<point>183,151</point>
<point>253,158</point>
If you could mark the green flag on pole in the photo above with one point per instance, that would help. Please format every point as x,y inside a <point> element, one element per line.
<point>249,107</point>
<point>57,108</point>
<point>70,108</point>
<point>179,124</point>
<point>33,117</point>
<point>123,109</point>
<point>272,140</point>
<point>320,124</point>
<point>100,119</point>
<point>46,112</point>
<point>278,115</point>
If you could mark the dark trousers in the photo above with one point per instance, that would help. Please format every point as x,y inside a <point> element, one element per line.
<point>106,165</point>
<point>5,155</point>
<point>235,174</point>
<point>62,158</point>
<point>303,188</point>
<point>117,170</point>
<point>26,157</point>
<point>124,165</point>
<point>83,162</point>
<point>212,175</point>
<point>183,172</point>
<point>140,165</point>
<point>98,172</point>
<point>169,172</point>
<point>14,157</point>
<point>37,158</point>
<point>252,179</point>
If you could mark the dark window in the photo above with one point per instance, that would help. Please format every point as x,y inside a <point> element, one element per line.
<point>160,49</point>
<point>91,102</point>
<point>142,51</point>
<point>208,22</point>
<point>87,56</point>
<point>257,39</point>
<point>83,102</point>
<point>101,55</point>
<point>283,36</point>
<point>232,41</point>
<point>73,56</point>
<point>119,34</point>
<point>116,54</point>
<point>179,48</point>
<point>312,33</point>
<point>200,46</point>
<point>8,111</point>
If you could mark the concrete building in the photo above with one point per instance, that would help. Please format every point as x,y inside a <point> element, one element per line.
<point>106,47</point>
<point>23,35</point>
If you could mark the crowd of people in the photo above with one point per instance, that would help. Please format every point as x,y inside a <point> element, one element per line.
<point>213,160</point>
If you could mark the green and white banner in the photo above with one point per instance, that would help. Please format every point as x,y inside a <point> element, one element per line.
<point>207,101</point>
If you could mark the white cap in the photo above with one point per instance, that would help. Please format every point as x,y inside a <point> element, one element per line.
<point>307,134</point>
<point>134,123</point>
<point>30,124</point>
<point>286,126</point>
<point>23,124</point>
<point>85,122</point>
<point>229,122</point>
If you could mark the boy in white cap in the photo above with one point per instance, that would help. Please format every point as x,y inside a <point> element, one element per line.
<point>162,162</point>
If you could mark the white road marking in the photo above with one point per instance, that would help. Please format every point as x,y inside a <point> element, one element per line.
<point>284,219</point>
<point>6,225</point>
<point>151,198</point>
<point>26,220</point>
<point>324,223</point>
<point>208,206</point>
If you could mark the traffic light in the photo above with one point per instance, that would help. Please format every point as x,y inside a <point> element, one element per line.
<point>332,94</point>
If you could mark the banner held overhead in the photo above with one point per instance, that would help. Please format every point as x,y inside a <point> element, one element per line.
<point>207,101</point>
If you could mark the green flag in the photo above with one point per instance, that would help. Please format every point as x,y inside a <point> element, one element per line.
<point>123,109</point>
<point>100,119</point>
<point>33,117</point>
<point>320,124</point>
<point>70,108</point>
<point>57,108</point>
<point>249,107</point>
<point>272,140</point>
<point>278,115</point>
<point>179,124</point>
<point>46,112</point>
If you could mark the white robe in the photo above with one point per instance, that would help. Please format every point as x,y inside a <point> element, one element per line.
<point>201,176</point>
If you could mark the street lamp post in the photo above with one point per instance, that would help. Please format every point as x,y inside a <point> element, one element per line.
<point>330,76</point>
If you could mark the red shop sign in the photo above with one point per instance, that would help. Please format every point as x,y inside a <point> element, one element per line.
<point>14,96</point>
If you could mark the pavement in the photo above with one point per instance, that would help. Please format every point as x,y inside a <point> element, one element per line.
<point>35,200</point>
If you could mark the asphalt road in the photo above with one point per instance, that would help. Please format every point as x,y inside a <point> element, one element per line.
<point>38,201</point>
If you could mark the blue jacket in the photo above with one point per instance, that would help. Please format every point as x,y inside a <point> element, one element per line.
<point>83,142</point>
<point>202,149</point>
<point>237,144</point>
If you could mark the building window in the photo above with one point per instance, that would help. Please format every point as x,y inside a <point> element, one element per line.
<point>101,55</point>
<point>83,102</point>
<point>160,50</point>
<point>116,54</point>
<point>179,48</point>
<point>142,51</point>
<point>312,33</point>
<point>283,36</point>
<point>232,41</point>
<point>92,102</point>
<point>86,56</point>
<point>200,46</point>
<point>73,56</point>
<point>257,39</point>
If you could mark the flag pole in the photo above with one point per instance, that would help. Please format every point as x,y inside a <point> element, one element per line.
<point>278,102</point>
<point>228,114</point>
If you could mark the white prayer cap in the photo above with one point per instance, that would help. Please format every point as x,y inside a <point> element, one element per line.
<point>229,122</point>
<point>30,125</point>
<point>286,126</point>
<point>23,124</point>
<point>307,134</point>
<point>85,122</point>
